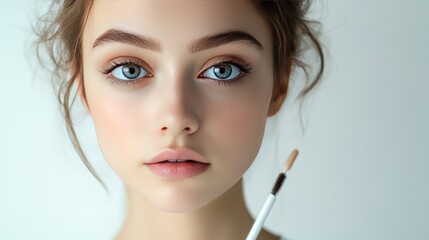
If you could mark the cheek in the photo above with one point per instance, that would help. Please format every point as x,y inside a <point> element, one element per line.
<point>113,128</point>
<point>117,124</point>
<point>241,122</point>
<point>238,130</point>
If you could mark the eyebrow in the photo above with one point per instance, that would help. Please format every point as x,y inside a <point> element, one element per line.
<point>204,43</point>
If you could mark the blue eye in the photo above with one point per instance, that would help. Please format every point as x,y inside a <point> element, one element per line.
<point>223,72</point>
<point>123,71</point>
<point>129,71</point>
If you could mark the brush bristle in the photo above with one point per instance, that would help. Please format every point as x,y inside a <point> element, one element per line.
<point>279,182</point>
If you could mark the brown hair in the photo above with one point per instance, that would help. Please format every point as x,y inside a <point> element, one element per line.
<point>60,32</point>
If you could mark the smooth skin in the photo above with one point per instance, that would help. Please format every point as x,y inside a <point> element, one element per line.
<point>177,102</point>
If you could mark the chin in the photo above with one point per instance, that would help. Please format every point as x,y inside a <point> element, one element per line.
<point>179,200</point>
<point>189,197</point>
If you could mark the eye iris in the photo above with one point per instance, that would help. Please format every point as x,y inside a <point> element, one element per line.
<point>131,71</point>
<point>222,71</point>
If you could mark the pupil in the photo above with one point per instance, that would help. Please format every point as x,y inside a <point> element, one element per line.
<point>222,71</point>
<point>131,71</point>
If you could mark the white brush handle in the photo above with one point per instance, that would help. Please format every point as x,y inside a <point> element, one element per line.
<point>263,214</point>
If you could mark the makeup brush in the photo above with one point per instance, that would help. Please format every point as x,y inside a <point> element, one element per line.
<point>263,214</point>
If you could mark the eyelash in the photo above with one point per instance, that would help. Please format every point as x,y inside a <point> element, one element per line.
<point>243,67</point>
<point>117,63</point>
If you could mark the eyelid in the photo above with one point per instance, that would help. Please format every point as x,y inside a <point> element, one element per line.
<point>120,61</point>
<point>242,65</point>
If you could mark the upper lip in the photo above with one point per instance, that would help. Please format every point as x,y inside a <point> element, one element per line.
<point>177,154</point>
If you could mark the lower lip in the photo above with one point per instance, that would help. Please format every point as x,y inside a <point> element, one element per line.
<point>178,170</point>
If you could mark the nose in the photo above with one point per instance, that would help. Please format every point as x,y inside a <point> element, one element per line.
<point>177,109</point>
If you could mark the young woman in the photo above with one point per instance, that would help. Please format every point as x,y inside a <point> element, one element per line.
<point>179,92</point>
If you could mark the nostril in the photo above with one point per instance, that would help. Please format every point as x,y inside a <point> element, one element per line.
<point>186,128</point>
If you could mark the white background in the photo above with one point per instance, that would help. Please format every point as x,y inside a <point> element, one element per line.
<point>363,168</point>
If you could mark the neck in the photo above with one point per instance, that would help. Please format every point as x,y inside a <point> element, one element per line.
<point>224,218</point>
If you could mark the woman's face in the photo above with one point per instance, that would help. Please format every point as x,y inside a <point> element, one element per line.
<point>178,74</point>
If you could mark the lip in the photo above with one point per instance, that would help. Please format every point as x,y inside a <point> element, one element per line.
<point>177,170</point>
<point>177,154</point>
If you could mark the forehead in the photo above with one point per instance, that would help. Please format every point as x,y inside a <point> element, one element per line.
<point>176,21</point>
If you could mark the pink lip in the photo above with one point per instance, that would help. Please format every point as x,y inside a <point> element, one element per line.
<point>195,164</point>
<point>178,170</point>
<point>180,153</point>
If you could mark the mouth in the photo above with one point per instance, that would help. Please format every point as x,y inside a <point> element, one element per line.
<point>178,161</point>
<point>178,164</point>
<point>177,155</point>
